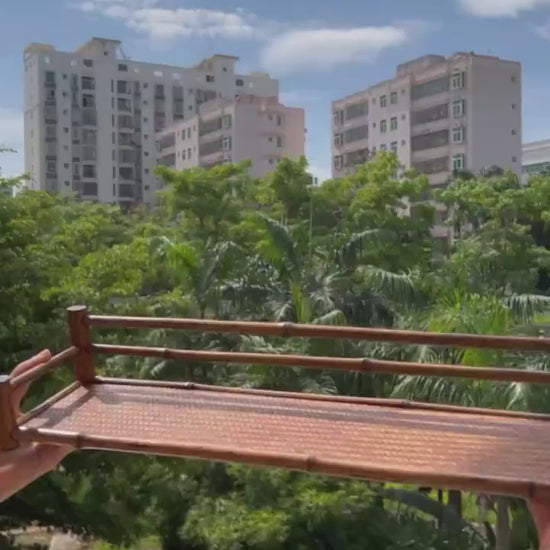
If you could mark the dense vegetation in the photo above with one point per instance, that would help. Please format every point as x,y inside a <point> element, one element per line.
<point>220,244</point>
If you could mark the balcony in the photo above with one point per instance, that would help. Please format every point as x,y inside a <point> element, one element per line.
<point>167,160</point>
<point>210,147</point>
<point>430,140</point>
<point>433,166</point>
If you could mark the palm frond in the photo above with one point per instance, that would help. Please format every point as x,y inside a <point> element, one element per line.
<point>399,286</point>
<point>525,306</point>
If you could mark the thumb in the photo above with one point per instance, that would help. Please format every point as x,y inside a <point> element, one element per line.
<point>19,392</point>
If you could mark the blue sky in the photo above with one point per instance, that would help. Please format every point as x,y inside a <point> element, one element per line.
<point>319,49</point>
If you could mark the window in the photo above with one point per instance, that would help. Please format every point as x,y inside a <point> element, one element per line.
<point>373,150</point>
<point>188,133</point>
<point>50,167</point>
<point>338,161</point>
<point>88,63</point>
<point>66,165</point>
<point>88,100</point>
<point>383,147</point>
<point>88,171</point>
<point>146,171</point>
<point>514,132</point>
<point>50,77</point>
<point>271,161</point>
<point>183,154</point>
<point>383,101</point>
<point>393,146</point>
<point>189,153</point>
<point>374,124</point>
<point>226,143</point>
<point>403,142</point>
<point>514,78</point>
<point>458,162</point>
<point>337,140</point>
<point>457,81</point>
<point>146,153</point>
<point>209,78</point>
<point>226,121</point>
<point>513,106</point>
<point>393,98</point>
<point>65,111</point>
<point>383,126</point>
<point>393,123</point>
<point>88,83</point>
<point>239,82</point>
<point>514,159</point>
<point>458,108</point>
<point>65,130</point>
<point>279,141</point>
<point>122,67</point>
<point>458,135</point>
<point>280,120</point>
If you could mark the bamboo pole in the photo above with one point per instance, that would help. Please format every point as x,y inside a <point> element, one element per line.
<point>294,461</point>
<point>332,363</point>
<point>8,423</point>
<point>327,331</point>
<point>46,367</point>
<point>79,331</point>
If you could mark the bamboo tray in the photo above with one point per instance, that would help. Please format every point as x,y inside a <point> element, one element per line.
<point>482,450</point>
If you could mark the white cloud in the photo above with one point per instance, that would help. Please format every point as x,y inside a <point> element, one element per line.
<point>500,8</point>
<point>161,23</point>
<point>323,49</point>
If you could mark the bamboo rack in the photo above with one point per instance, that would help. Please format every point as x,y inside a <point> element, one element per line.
<point>81,414</point>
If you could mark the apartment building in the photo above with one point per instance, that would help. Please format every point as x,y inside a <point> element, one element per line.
<point>91,115</point>
<point>535,158</point>
<point>229,130</point>
<point>438,114</point>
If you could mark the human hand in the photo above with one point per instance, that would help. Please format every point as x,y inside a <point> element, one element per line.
<point>540,510</point>
<point>28,462</point>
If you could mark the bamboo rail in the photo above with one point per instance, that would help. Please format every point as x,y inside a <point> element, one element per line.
<point>327,331</point>
<point>331,363</point>
<point>292,461</point>
<point>40,370</point>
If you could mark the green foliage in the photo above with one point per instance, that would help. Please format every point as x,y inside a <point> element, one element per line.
<point>356,250</point>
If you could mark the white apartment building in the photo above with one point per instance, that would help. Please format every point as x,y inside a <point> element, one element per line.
<point>229,130</point>
<point>535,158</point>
<point>438,114</point>
<point>91,116</point>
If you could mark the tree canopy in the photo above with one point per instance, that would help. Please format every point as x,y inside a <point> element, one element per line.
<point>357,250</point>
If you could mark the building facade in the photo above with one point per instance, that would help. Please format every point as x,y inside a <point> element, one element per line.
<point>91,117</point>
<point>438,114</point>
<point>535,158</point>
<point>248,127</point>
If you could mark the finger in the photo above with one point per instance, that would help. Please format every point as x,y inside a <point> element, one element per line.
<point>41,357</point>
<point>34,461</point>
<point>20,391</point>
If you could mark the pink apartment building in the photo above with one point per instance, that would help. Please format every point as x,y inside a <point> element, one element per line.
<point>248,127</point>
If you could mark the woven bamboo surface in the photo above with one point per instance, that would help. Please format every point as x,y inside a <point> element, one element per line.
<point>453,449</point>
